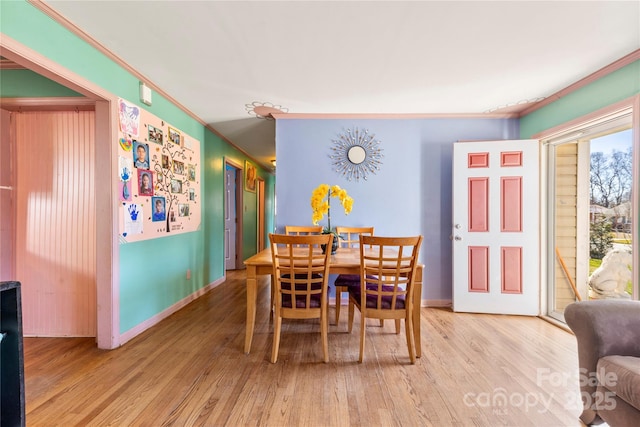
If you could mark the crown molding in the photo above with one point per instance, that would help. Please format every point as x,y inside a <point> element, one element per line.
<point>398,116</point>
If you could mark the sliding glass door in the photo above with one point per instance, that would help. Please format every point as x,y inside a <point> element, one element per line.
<point>589,214</point>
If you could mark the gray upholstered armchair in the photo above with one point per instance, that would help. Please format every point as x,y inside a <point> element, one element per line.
<point>608,335</point>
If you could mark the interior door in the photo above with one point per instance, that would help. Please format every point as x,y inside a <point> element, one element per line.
<point>230,219</point>
<point>261,214</point>
<point>496,235</point>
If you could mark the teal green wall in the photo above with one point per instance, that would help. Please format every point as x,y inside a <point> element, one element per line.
<point>152,272</point>
<point>216,151</point>
<point>614,87</point>
<point>27,84</point>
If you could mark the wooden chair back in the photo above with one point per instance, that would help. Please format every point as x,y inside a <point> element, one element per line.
<point>302,230</point>
<point>350,236</point>
<point>300,274</point>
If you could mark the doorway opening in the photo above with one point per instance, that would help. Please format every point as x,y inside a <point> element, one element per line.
<point>232,215</point>
<point>106,248</point>
<point>590,218</point>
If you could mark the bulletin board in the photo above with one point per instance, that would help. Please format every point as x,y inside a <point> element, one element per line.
<point>158,175</point>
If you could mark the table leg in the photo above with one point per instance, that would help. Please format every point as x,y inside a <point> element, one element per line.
<point>417,302</point>
<point>252,296</point>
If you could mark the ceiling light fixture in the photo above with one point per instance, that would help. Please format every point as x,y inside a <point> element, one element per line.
<point>263,110</point>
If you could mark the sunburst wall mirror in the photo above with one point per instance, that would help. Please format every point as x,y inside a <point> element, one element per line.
<point>355,154</point>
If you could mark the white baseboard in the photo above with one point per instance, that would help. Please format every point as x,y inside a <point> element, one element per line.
<point>436,303</point>
<point>154,320</point>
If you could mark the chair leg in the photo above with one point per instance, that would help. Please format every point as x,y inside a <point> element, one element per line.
<point>382,323</point>
<point>339,291</point>
<point>408,325</point>
<point>324,326</point>
<point>276,338</point>
<point>273,297</point>
<point>397,326</point>
<point>362,330</point>
<point>351,310</point>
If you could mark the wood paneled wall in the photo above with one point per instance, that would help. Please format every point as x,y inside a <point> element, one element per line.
<point>566,221</point>
<point>55,222</point>
<point>6,198</point>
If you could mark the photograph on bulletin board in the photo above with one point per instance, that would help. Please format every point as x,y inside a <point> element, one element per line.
<point>140,155</point>
<point>155,134</point>
<point>158,204</point>
<point>176,186</point>
<point>249,177</point>
<point>174,136</point>
<point>178,167</point>
<point>166,163</point>
<point>145,182</point>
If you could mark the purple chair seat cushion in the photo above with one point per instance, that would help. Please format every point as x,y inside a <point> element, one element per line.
<point>315,300</point>
<point>372,301</point>
<point>349,280</point>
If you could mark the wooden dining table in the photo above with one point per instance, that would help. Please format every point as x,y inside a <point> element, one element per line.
<point>344,261</point>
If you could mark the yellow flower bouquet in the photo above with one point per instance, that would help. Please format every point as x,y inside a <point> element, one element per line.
<point>321,204</point>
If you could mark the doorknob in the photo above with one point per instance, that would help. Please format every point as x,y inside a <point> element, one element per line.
<point>457,226</point>
<point>458,238</point>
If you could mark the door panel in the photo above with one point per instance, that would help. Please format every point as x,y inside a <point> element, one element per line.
<point>496,227</point>
<point>261,215</point>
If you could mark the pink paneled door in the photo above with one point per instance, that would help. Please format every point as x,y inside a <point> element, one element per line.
<point>496,226</point>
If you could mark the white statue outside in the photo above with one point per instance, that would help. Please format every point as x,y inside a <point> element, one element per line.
<point>611,278</point>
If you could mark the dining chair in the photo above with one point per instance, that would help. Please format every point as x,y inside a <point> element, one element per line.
<point>294,230</point>
<point>350,238</point>
<point>388,265</point>
<point>301,273</point>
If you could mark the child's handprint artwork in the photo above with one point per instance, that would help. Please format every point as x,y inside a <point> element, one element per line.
<point>133,214</point>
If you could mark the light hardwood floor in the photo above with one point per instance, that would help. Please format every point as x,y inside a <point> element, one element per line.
<point>475,370</point>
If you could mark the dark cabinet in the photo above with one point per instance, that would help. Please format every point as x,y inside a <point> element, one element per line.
<point>12,412</point>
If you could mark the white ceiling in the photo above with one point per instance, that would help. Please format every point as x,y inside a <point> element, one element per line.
<point>420,57</point>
